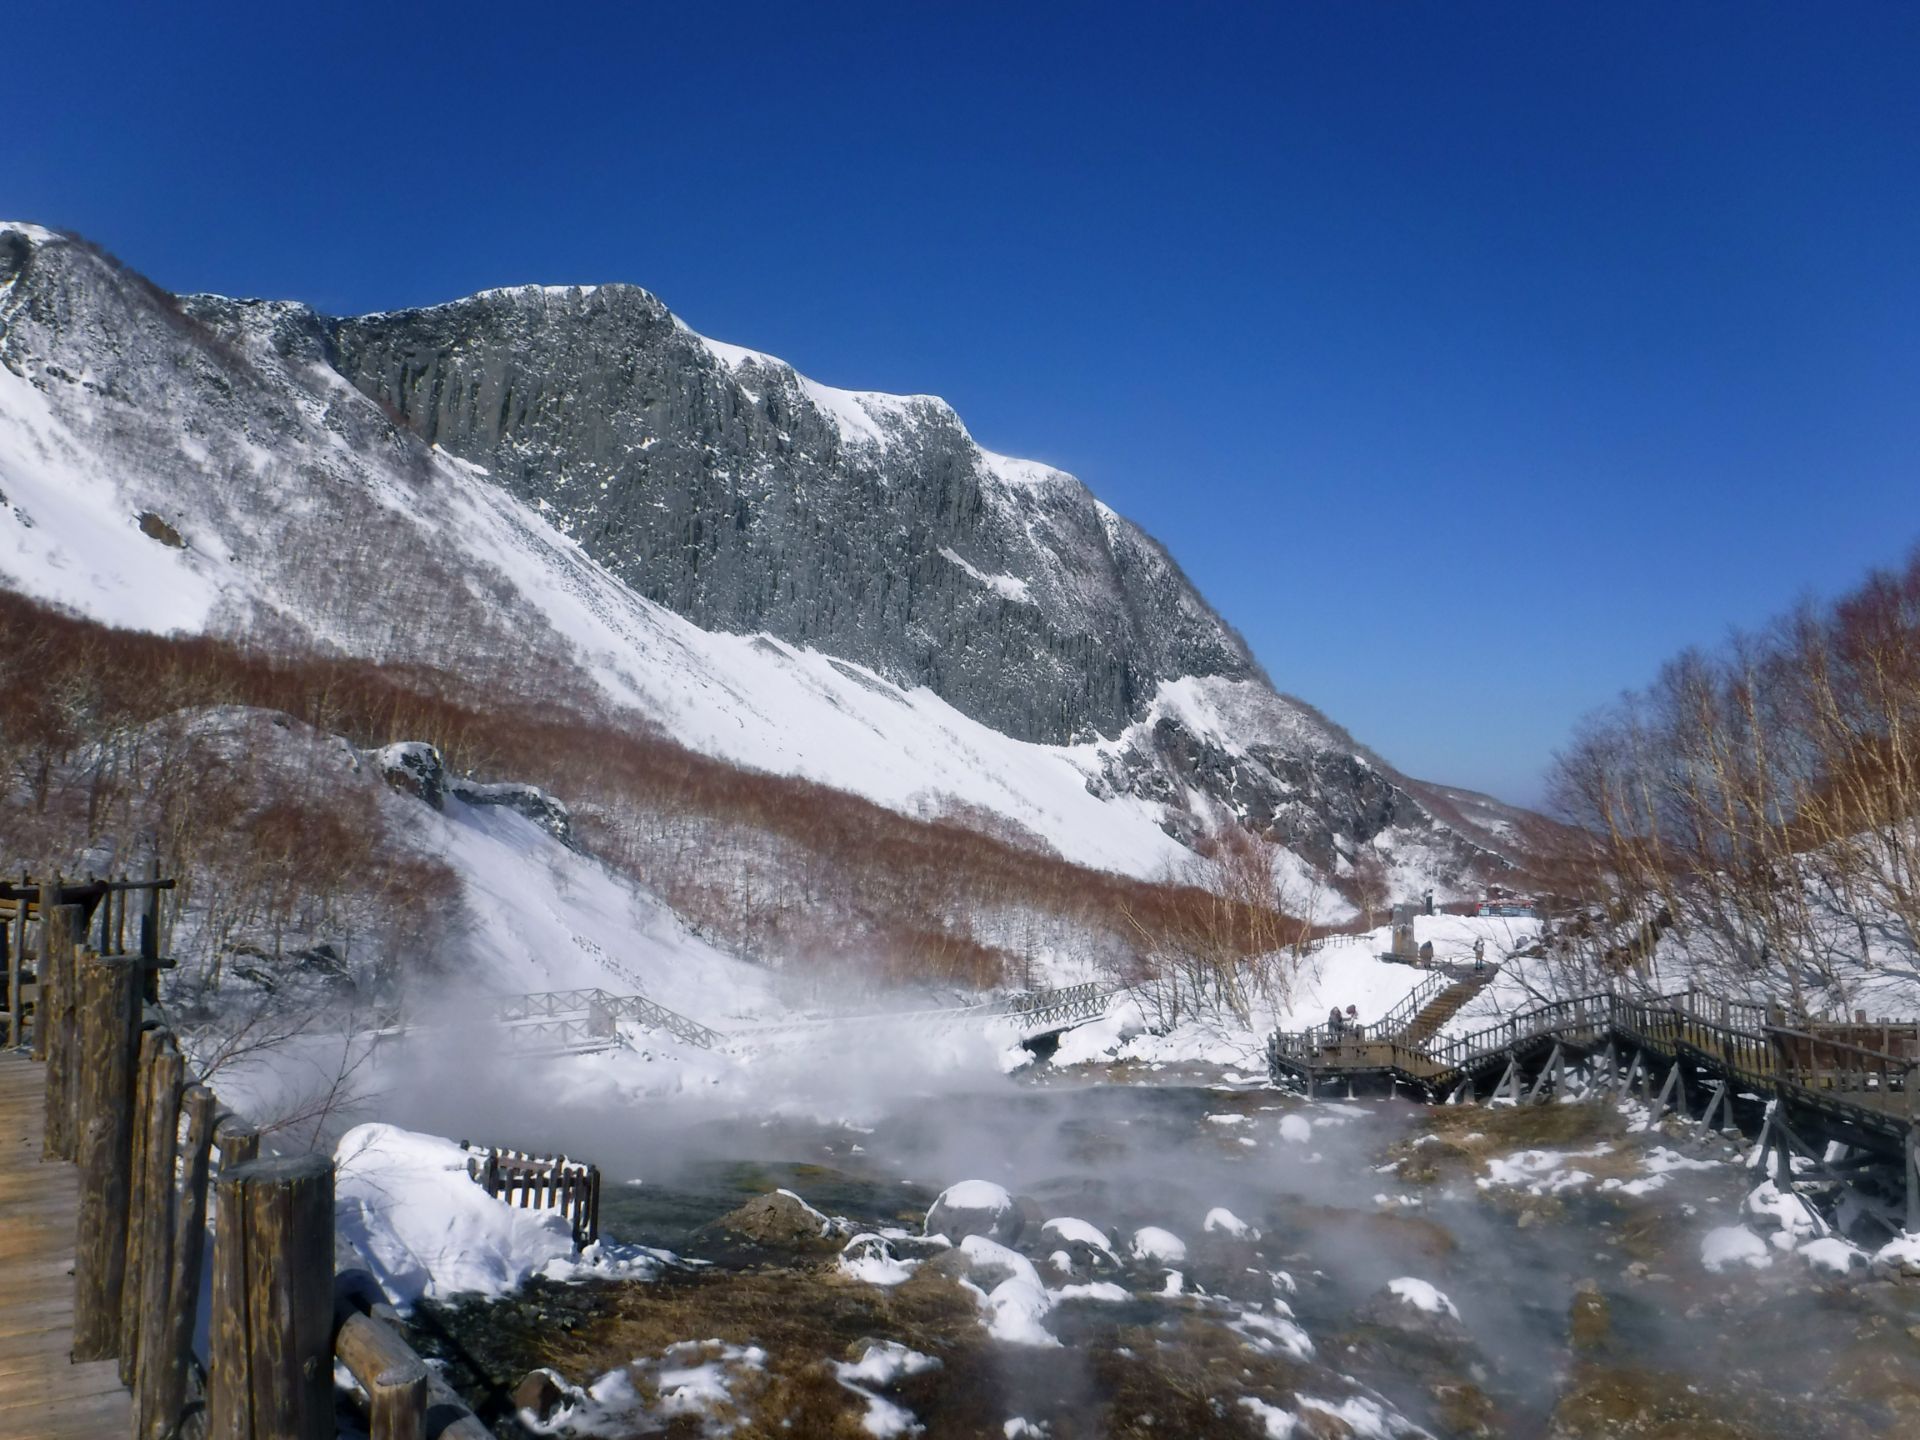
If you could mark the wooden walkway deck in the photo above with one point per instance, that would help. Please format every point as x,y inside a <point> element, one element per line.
<point>43,1395</point>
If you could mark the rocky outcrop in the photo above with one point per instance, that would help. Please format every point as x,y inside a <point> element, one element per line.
<point>416,768</point>
<point>726,486</point>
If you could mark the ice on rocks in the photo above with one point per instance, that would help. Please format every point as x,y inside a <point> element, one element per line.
<point>1422,1295</point>
<point>1081,1232</point>
<point>1150,1242</point>
<point>881,1364</point>
<point>1832,1254</point>
<point>1734,1245</point>
<point>871,1258</point>
<point>1224,1220</point>
<point>975,1207</point>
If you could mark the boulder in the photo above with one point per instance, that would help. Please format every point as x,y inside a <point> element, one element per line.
<point>414,768</point>
<point>1416,1309</point>
<point>780,1221</point>
<point>541,1394</point>
<point>976,1207</point>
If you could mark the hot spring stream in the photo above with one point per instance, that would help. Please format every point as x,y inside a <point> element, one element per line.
<point>1249,1265</point>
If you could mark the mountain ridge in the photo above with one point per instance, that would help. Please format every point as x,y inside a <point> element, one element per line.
<point>1004,587</point>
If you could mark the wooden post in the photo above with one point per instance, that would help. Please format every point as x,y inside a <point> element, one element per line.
<point>395,1378</point>
<point>151,1044</point>
<point>239,1142</point>
<point>271,1369</point>
<point>15,939</point>
<point>107,1033</point>
<point>53,1039</point>
<point>144,1326</point>
<point>397,1403</point>
<point>1913,1179</point>
<point>166,1350</point>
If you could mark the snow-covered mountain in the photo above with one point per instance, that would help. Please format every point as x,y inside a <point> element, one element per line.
<point>571,488</point>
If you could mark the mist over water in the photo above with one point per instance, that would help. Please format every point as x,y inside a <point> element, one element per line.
<point>871,1126</point>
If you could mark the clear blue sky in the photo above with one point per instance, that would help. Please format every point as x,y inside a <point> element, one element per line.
<point>1472,358</point>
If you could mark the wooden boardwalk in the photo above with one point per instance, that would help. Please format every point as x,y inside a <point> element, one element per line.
<point>43,1395</point>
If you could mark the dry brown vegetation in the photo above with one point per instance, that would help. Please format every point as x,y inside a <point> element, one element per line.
<point>97,737</point>
<point>1762,803</point>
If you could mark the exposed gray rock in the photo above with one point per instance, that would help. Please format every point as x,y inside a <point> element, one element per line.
<point>550,814</point>
<point>780,1220</point>
<point>414,768</point>
<point>738,495</point>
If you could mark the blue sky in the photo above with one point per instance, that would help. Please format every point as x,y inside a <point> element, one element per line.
<point>1472,358</point>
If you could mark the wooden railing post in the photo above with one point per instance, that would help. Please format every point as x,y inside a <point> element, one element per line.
<point>15,938</point>
<point>270,1374</point>
<point>53,1039</point>
<point>166,1349</point>
<point>107,1033</point>
<point>150,1239</point>
<point>147,1136</point>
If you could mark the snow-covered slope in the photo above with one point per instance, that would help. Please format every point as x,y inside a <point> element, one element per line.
<point>214,471</point>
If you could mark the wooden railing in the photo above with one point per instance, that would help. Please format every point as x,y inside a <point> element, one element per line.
<point>1822,1063</point>
<point>1396,1022</point>
<point>598,1010</point>
<point>1867,1065</point>
<point>541,1182</point>
<point>1066,1005</point>
<point>162,1164</point>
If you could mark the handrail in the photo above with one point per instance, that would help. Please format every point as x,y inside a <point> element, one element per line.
<point>1736,1036</point>
<point>1400,1018</point>
<point>119,1103</point>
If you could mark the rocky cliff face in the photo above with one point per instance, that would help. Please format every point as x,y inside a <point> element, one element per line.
<point>341,479</point>
<point>720,483</point>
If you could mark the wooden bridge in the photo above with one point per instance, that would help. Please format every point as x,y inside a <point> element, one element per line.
<point>1802,1086</point>
<point>585,1021</point>
<point>1029,1013</point>
<point>133,1206</point>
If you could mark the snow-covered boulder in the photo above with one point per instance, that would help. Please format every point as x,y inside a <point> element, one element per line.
<point>1899,1258</point>
<point>422,1226</point>
<point>976,1207</point>
<point>1732,1245</point>
<point>1157,1246</point>
<point>1085,1246</point>
<point>1416,1308</point>
<point>415,768</point>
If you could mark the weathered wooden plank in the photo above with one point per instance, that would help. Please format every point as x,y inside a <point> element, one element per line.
<point>43,1396</point>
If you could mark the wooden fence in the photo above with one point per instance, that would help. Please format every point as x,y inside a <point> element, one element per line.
<point>160,1158</point>
<point>541,1182</point>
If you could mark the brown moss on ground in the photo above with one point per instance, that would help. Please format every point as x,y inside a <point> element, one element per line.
<point>1183,1374</point>
<point>1607,1403</point>
<point>1589,1319</point>
<point>1395,1232</point>
<point>1459,1139</point>
<point>805,1318</point>
<point>1186,1377</point>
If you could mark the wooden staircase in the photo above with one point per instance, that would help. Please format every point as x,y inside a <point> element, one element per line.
<point>1443,1007</point>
